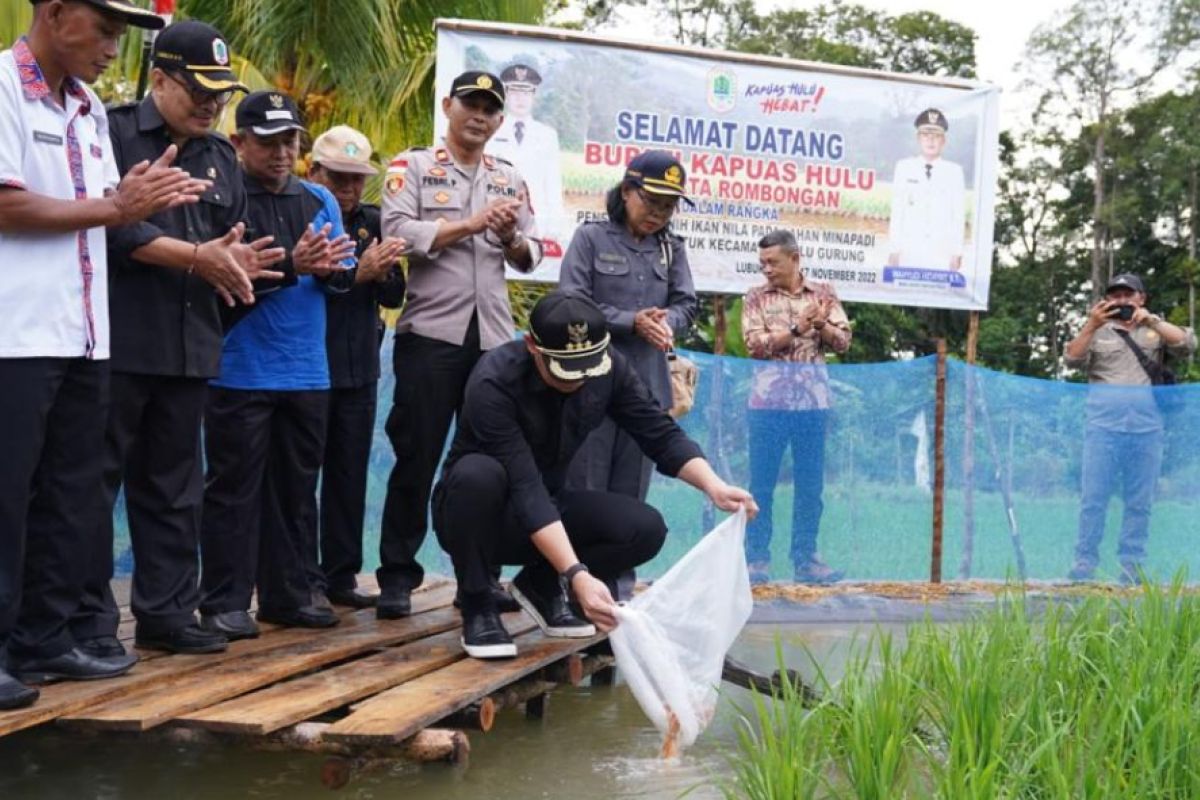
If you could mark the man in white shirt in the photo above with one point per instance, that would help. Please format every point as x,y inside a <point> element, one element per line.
<point>928,220</point>
<point>58,190</point>
<point>532,147</point>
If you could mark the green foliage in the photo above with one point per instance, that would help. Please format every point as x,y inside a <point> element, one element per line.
<point>1087,700</point>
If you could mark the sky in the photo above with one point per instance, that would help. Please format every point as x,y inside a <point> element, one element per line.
<point>1002,28</point>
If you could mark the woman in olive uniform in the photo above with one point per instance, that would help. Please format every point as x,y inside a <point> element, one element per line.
<point>637,271</point>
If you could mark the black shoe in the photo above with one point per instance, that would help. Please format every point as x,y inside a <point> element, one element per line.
<point>233,625</point>
<point>73,665</point>
<point>14,694</point>
<point>190,639</point>
<point>355,598</point>
<point>484,636</point>
<point>102,647</point>
<point>501,599</point>
<point>302,617</point>
<point>552,613</point>
<point>393,604</point>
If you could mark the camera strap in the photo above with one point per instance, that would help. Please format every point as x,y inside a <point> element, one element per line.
<point>1153,369</point>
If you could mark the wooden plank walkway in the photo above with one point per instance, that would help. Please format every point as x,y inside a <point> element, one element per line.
<point>387,680</point>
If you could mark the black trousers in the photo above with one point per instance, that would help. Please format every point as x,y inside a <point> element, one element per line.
<point>52,413</point>
<point>344,482</point>
<point>430,378</point>
<point>476,525</point>
<point>152,448</point>
<point>259,526</point>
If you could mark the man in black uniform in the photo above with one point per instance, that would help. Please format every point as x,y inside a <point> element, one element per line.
<point>529,405</point>
<point>166,276</point>
<point>341,163</point>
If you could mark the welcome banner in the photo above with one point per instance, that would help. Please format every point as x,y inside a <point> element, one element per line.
<point>887,181</point>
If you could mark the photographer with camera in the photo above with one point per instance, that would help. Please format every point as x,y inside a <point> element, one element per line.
<point>1122,343</point>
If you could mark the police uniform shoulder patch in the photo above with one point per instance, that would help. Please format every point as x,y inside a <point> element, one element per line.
<point>504,161</point>
<point>394,184</point>
<point>489,162</point>
<point>442,155</point>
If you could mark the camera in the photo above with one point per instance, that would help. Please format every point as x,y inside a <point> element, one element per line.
<point>1123,313</point>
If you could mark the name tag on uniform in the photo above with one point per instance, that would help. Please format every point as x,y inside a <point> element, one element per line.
<point>47,138</point>
<point>612,258</point>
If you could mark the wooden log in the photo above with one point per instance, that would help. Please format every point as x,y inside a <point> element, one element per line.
<point>739,674</point>
<point>521,692</point>
<point>428,746</point>
<point>535,707</point>
<point>479,716</point>
<point>569,670</point>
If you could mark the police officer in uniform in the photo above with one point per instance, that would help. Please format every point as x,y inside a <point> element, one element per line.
<point>342,163</point>
<point>533,147</point>
<point>169,275</point>
<point>927,226</point>
<point>529,406</point>
<point>464,214</point>
<point>637,272</point>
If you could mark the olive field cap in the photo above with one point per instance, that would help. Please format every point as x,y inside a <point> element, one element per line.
<point>133,14</point>
<point>343,149</point>
<point>571,332</point>
<point>476,81</point>
<point>200,53</point>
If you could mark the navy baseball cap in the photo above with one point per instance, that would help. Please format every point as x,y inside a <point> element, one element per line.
<point>268,113</point>
<point>571,333</point>
<point>199,53</point>
<point>478,81</point>
<point>135,15</point>
<point>658,172</point>
<point>1126,280</point>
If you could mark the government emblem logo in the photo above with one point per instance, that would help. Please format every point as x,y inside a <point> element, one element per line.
<point>722,89</point>
<point>276,100</point>
<point>577,335</point>
<point>220,52</point>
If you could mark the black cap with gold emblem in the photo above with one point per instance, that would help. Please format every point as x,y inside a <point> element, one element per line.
<point>133,14</point>
<point>198,52</point>
<point>658,172</point>
<point>932,118</point>
<point>476,81</point>
<point>268,113</point>
<point>572,334</point>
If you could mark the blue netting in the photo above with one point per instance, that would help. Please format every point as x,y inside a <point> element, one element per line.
<point>1028,454</point>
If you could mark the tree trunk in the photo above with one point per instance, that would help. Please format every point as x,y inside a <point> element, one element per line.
<point>1194,179</point>
<point>1097,210</point>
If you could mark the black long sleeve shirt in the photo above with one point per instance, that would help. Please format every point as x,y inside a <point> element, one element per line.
<point>164,321</point>
<point>354,329</point>
<point>533,430</point>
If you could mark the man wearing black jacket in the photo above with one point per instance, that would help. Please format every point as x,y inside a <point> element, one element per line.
<point>342,163</point>
<point>167,276</point>
<point>529,405</point>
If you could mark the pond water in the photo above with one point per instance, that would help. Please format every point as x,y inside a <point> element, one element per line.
<point>594,743</point>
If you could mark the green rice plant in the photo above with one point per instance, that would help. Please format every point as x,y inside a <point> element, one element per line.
<point>1033,698</point>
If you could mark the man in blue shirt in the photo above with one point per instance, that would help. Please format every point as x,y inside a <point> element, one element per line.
<point>266,417</point>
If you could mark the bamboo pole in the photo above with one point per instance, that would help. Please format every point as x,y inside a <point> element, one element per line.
<point>939,466</point>
<point>968,547</point>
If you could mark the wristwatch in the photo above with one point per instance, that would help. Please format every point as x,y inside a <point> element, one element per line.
<point>571,572</point>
